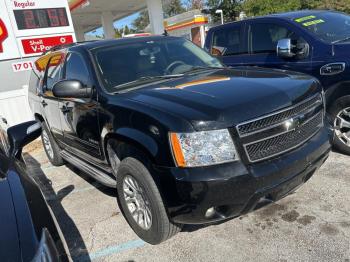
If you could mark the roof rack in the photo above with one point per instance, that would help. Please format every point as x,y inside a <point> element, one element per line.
<point>59,47</point>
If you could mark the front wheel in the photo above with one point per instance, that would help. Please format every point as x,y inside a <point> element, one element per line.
<point>340,115</point>
<point>50,146</point>
<point>142,204</point>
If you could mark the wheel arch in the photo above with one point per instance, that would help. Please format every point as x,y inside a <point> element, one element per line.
<point>335,92</point>
<point>39,117</point>
<point>134,139</point>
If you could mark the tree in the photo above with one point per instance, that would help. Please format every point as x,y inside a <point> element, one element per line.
<point>118,32</point>
<point>339,5</point>
<point>194,4</point>
<point>140,23</point>
<point>172,7</point>
<point>230,8</point>
<point>264,7</point>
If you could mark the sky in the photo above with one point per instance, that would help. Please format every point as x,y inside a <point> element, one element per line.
<point>117,24</point>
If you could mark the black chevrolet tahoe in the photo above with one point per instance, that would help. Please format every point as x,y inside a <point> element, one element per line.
<point>183,139</point>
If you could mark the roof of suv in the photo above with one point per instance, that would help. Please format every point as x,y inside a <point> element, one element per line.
<point>286,15</point>
<point>296,14</point>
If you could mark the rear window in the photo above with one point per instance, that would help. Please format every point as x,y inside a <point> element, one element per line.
<point>330,27</point>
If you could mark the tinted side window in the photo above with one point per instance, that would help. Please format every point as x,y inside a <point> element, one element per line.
<point>35,81</point>
<point>53,71</point>
<point>263,37</point>
<point>76,68</point>
<point>226,42</point>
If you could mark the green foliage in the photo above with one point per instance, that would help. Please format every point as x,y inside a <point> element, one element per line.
<point>230,8</point>
<point>194,4</point>
<point>339,5</point>
<point>264,7</point>
<point>173,7</point>
<point>140,23</point>
<point>123,31</point>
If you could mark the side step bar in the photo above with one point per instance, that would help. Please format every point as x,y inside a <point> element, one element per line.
<point>94,172</point>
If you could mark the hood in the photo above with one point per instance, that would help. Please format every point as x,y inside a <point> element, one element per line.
<point>10,244</point>
<point>222,98</point>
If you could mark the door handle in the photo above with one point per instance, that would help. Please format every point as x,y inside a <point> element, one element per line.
<point>65,109</point>
<point>43,102</point>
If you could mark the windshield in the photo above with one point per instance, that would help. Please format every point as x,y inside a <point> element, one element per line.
<point>134,63</point>
<point>328,26</point>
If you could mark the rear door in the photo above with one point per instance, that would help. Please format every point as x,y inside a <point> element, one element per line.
<point>228,44</point>
<point>79,117</point>
<point>262,38</point>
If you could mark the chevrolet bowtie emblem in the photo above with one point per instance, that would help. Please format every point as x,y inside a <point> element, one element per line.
<point>295,122</point>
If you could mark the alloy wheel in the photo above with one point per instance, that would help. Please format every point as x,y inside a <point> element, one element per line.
<point>47,144</point>
<point>342,126</point>
<point>137,202</point>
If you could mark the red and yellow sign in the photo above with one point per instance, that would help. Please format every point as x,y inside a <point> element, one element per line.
<point>56,59</point>
<point>75,3</point>
<point>42,44</point>
<point>3,34</point>
<point>198,20</point>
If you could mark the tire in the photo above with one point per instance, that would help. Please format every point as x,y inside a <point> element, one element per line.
<point>340,109</point>
<point>160,228</point>
<point>50,146</point>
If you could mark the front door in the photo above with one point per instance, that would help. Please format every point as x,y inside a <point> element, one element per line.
<point>262,44</point>
<point>48,100</point>
<point>229,45</point>
<point>79,117</point>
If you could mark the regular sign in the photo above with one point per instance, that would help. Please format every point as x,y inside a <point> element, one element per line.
<point>31,27</point>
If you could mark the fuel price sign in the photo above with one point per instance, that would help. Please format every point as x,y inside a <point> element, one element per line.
<point>37,25</point>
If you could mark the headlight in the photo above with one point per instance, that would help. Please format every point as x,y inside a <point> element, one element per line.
<point>203,148</point>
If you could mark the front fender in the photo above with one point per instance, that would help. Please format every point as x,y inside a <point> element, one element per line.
<point>155,146</point>
<point>146,141</point>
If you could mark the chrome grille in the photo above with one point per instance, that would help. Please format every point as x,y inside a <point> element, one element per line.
<point>256,125</point>
<point>277,133</point>
<point>281,143</point>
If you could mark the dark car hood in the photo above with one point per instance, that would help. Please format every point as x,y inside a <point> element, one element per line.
<point>9,242</point>
<point>225,97</point>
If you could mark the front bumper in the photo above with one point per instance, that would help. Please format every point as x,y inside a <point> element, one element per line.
<point>234,188</point>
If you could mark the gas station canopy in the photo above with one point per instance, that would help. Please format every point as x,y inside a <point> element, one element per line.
<point>88,15</point>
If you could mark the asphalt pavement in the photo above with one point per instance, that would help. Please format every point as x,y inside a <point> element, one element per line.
<point>312,224</point>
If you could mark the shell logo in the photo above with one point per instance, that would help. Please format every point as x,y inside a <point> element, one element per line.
<point>3,34</point>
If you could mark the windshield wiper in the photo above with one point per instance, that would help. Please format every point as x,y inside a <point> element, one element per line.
<point>159,77</point>
<point>144,80</point>
<point>200,68</point>
<point>341,40</point>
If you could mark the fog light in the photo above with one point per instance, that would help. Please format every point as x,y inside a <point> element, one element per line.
<point>210,212</point>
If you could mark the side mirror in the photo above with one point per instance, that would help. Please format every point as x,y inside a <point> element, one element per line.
<point>21,135</point>
<point>71,89</point>
<point>285,48</point>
